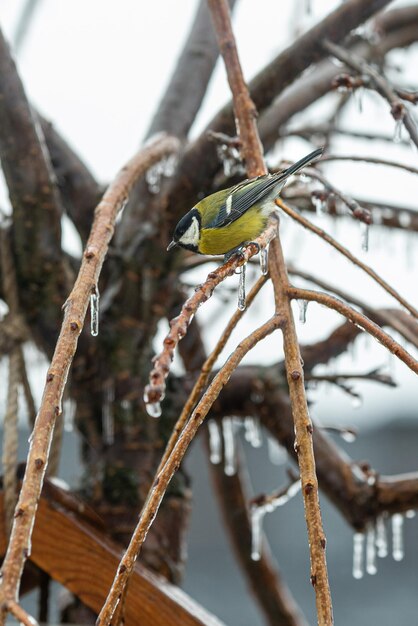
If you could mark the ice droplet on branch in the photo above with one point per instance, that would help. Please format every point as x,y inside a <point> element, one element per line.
<point>303,305</point>
<point>264,260</point>
<point>257,516</point>
<point>230,452</point>
<point>215,447</point>
<point>358,555</point>
<point>94,312</point>
<point>371,550</point>
<point>241,290</point>
<point>397,537</point>
<point>364,231</point>
<point>253,432</point>
<point>381,538</point>
<point>153,408</point>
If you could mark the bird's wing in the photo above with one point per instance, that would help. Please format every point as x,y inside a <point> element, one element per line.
<point>248,193</point>
<point>243,197</point>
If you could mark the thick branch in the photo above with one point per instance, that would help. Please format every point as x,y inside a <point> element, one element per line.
<point>75,312</point>
<point>36,204</point>
<point>80,191</point>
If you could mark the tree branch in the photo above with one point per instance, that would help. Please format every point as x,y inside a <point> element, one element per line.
<point>74,316</point>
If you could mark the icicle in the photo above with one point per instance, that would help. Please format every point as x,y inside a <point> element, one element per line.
<point>358,555</point>
<point>215,448</point>
<point>371,551</point>
<point>264,260</point>
<point>364,230</point>
<point>358,95</point>
<point>69,410</point>
<point>303,305</point>
<point>397,135</point>
<point>277,454</point>
<point>230,457</point>
<point>381,538</point>
<point>257,516</point>
<point>241,290</point>
<point>318,204</point>
<point>94,312</point>
<point>397,537</point>
<point>108,423</point>
<point>253,432</point>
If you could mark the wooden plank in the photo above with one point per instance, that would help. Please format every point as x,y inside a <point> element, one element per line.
<point>81,557</point>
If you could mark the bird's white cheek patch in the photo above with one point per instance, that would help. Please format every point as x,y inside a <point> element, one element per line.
<point>191,236</point>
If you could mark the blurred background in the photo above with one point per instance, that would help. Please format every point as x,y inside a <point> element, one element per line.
<point>97,70</point>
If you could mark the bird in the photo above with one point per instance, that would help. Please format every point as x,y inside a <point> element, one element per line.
<point>225,221</point>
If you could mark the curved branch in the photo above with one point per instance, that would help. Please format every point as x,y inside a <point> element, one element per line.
<point>368,270</point>
<point>36,203</point>
<point>164,477</point>
<point>358,319</point>
<point>263,578</point>
<point>80,192</point>
<point>72,325</point>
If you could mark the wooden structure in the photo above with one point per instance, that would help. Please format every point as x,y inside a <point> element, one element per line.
<point>70,545</point>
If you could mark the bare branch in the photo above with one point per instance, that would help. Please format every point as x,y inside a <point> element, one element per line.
<point>163,479</point>
<point>398,110</point>
<point>369,159</point>
<point>368,270</point>
<point>356,318</point>
<point>264,579</point>
<point>75,312</point>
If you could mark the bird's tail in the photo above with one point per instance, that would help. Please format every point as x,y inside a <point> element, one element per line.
<point>309,158</point>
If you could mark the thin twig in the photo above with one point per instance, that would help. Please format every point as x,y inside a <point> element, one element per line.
<point>326,237</point>
<point>398,109</point>
<point>162,481</point>
<point>358,319</point>
<point>370,159</point>
<point>206,370</point>
<point>75,311</point>
<point>155,391</point>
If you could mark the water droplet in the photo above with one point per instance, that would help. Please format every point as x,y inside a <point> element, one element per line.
<point>356,403</point>
<point>364,231</point>
<point>381,538</point>
<point>94,312</point>
<point>303,305</point>
<point>153,409</point>
<point>215,448</point>
<point>371,550</point>
<point>410,514</point>
<point>241,290</point>
<point>348,435</point>
<point>358,555</point>
<point>264,260</point>
<point>230,453</point>
<point>397,537</point>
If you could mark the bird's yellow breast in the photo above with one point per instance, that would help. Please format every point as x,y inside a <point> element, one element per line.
<point>222,240</point>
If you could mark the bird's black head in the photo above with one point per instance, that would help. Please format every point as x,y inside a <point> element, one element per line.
<point>187,232</point>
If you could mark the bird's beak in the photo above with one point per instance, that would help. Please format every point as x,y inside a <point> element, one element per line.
<point>171,245</point>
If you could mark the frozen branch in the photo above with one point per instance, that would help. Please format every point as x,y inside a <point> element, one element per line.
<point>155,391</point>
<point>330,240</point>
<point>358,319</point>
<point>163,479</point>
<point>398,110</point>
<point>74,316</point>
<point>263,578</point>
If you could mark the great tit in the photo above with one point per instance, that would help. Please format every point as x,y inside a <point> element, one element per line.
<point>225,220</point>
